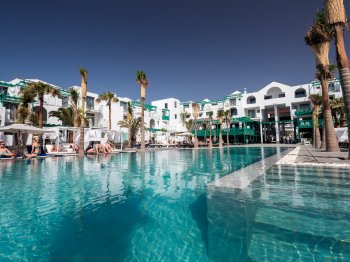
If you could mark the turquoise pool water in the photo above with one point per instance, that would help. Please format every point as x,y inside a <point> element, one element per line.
<point>157,207</point>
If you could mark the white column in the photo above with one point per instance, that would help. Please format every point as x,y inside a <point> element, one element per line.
<point>277,124</point>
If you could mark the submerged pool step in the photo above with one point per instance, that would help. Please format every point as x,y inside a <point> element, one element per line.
<point>264,247</point>
<point>337,229</point>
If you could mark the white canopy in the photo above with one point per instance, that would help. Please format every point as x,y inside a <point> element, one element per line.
<point>185,134</point>
<point>16,128</point>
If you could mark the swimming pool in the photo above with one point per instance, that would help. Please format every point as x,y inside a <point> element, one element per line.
<point>156,206</point>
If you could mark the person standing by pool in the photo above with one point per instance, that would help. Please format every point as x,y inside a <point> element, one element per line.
<point>4,151</point>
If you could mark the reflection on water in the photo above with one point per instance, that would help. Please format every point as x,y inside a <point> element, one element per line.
<point>120,207</point>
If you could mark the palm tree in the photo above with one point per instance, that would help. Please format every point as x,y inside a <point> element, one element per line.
<point>195,109</point>
<point>77,112</point>
<point>84,74</point>
<point>319,38</point>
<point>23,110</point>
<point>39,89</point>
<point>204,127</point>
<point>210,128</point>
<point>338,108</point>
<point>316,100</point>
<point>335,16</point>
<point>65,115</point>
<point>110,98</point>
<point>141,78</point>
<point>70,116</point>
<point>132,124</point>
<point>227,119</point>
<point>220,116</point>
<point>189,125</point>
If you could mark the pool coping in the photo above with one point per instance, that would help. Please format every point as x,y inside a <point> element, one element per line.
<point>243,177</point>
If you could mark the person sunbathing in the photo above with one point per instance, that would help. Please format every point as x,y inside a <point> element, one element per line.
<point>5,152</point>
<point>91,150</point>
<point>74,148</point>
<point>102,149</point>
<point>35,149</point>
<point>109,146</point>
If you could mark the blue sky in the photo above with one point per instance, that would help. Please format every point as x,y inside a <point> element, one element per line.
<point>190,49</point>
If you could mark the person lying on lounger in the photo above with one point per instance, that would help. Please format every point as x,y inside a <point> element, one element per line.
<point>91,150</point>
<point>5,152</point>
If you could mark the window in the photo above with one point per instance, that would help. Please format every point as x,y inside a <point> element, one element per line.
<point>207,114</point>
<point>91,117</point>
<point>166,105</point>
<point>65,102</point>
<point>267,97</point>
<point>304,107</point>
<point>175,116</point>
<point>251,100</point>
<point>90,103</point>
<point>12,108</point>
<point>175,104</point>
<point>234,111</point>
<point>282,95</point>
<point>251,113</point>
<point>300,93</point>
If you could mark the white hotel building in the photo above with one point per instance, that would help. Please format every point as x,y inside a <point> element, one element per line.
<point>272,114</point>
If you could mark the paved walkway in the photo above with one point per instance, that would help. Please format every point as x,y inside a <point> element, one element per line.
<point>308,154</point>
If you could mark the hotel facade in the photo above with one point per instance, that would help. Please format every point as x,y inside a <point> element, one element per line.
<point>276,113</point>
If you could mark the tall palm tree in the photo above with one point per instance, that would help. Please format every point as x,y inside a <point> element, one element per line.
<point>210,128</point>
<point>132,124</point>
<point>319,38</point>
<point>84,75</point>
<point>39,89</point>
<point>338,108</point>
<point>336,17</point>
<point>195,109</point>
<point>316,100</point>
<point>141,78</point>
<point>227,119</point>
<point>220,116</point>
<point>110,98</point>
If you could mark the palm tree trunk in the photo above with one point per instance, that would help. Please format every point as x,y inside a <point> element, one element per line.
<point>220,134</point>
<point>330,138</point>
<point>317,131</point>
<point>41,108</point>
<point>143,124</point>
<point>82,126</point>
<point>110,116</point>
<point>343,65</point>
<point>210,134</point>
<point>323,138</point>
<point>227,133</point>
<point>195,134</point>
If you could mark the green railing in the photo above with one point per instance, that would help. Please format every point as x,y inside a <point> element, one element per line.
<point>303,112</point>
<point>147,106</point>
<point>232,132</point>
<point>165,114</point>
<point>308,123</point>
